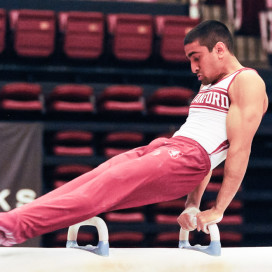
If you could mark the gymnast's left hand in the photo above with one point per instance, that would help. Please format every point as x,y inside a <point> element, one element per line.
<point>206,218</point>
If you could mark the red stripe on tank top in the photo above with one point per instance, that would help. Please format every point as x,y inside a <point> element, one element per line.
<point>221,147</point>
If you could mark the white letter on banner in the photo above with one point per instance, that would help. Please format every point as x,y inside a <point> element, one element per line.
<point>25,196</point>
<point>3,203</point>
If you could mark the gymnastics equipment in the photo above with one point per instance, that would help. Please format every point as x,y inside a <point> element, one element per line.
<point>102,248</point>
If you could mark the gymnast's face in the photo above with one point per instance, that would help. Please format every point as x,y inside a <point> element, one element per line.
<point>204,64</point>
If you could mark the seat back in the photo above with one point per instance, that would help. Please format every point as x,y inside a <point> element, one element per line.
<point>83,34</point>
<point>117,142</point>
<point>71,98</point>
<point>122,98</point>
<point>170,101</point>
<point>171,31</point>
<point>72,92</point>
<point>34,32</point>
<point>132,36</point>
<point>172,96</point>
<point>64,173</point>
<point>21,96</point>
<point>21,91</point>
<point>72,143</point>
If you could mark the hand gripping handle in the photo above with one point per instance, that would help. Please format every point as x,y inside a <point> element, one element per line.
<point>102,247</point>
<point>214,248</point>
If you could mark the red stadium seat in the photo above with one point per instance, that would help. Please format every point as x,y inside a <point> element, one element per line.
<point>173,205</point>
<point>167,239</point>
<point>59,238</point>
<point>170,101</point>
<point>231,237</point>
<point>215,187</point>
<point>167,236</point>
<point>33,32</point>
<point>21,96</point>
<point>126,238</point>
<point>125,217</point>
<point>245,16</point>
<point>234,206</point>
<point>218,171</point>
<point>2,29</point>
<point>59,183</point>
<point>71,169</point>
<point>132,36</point>
<point>166,219</point>
<point>227,238</point>
<point>83,34</point>
<point>232,220</point>
<point>73,143</point>
<point>122,98</point>
<point>71,98</point>
<point>171,31</point>
<point>116,143</point>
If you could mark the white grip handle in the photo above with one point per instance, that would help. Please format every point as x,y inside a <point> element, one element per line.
<point>214,232</point>
<point>214,248</point>
<point>95,221</point>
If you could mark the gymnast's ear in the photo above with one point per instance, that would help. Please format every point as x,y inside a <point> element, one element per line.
<point>220,49</point>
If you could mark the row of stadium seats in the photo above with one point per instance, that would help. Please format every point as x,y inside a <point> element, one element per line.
<point>81,98</point>
<point>86,143</point>
<point>87,35</point>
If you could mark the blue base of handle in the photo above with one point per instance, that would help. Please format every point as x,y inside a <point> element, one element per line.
<point>101,249</point>
<point>214,248</point>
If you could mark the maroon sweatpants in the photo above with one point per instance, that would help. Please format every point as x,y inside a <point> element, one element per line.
<point>166,169</point>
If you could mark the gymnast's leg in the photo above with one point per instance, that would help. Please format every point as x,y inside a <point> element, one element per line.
<point>152,177</point>
<point>8,220</point>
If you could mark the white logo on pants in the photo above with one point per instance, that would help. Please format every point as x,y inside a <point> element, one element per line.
<point>174,153</point>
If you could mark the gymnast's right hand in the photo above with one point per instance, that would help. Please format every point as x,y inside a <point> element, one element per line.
<point>187,219</point>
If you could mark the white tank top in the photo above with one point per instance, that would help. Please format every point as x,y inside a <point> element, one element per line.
<point>206,122</point>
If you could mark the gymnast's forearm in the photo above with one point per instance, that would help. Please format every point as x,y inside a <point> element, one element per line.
<point>234,171</point>
<point>194,198</point>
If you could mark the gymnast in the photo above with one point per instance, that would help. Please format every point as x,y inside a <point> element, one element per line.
<point>223,119</point>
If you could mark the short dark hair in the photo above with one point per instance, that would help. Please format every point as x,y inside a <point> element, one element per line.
<point>208,33</point>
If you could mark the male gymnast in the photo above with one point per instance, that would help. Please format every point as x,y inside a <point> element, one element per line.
<point>223,119</point>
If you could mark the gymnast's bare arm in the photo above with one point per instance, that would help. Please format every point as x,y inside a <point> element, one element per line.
<point>249,102</point>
